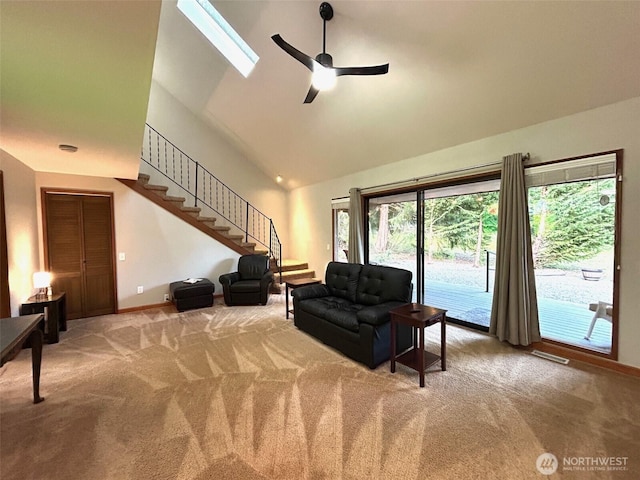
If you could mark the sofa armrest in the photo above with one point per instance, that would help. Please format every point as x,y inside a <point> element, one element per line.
<point>229,278</point>
<point>377,314</point>
<point>266,279</point>
<point>310,291</point>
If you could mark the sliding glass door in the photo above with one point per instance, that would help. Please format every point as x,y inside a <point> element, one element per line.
<point>446,236</point>
<point>392,232</point>
<point>572,210</point>
<point>460,230</point>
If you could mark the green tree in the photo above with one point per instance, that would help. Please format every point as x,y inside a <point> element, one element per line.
<point>569,223</point>
<point>467,222</point>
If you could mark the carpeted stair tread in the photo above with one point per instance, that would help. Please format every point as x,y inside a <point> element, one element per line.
<point>156,188</point>
<point>169,198</point>
<point>295,274</point>
<point>220,229</point>
<point>143,178</point>
<point>289,264</point>
<point>191,209</point>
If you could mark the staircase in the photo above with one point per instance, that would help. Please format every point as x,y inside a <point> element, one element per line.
<point>293,269</point>
<point>158,195</point>
<point>246,230</point>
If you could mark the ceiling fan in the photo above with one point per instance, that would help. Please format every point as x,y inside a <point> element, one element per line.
<point>324,73</point>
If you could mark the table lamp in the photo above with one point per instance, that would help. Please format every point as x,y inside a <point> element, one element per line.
<point>42,282</point>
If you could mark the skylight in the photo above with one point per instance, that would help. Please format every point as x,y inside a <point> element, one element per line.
<point>222,35</point>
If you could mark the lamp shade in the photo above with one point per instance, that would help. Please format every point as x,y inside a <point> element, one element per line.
<point>41,280</point>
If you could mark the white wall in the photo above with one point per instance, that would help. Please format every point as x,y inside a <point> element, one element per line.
<point>607,128</point>
<point>22,228</point>
<point>159,247</point>
<point>224,160</point>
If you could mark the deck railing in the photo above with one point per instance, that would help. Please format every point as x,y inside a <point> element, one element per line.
<point>489,253</point>
<point>204,188</point>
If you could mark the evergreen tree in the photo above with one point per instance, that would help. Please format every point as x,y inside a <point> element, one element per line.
<point>569,223</point>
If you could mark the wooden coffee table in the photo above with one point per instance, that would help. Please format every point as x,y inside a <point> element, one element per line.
<point>418,317</point>
<point>13,333</point>
<point>295,283</point>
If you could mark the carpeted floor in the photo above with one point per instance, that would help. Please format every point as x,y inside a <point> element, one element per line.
<point>240,393</point>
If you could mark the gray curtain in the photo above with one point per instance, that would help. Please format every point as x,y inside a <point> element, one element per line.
<point>356,220</point>
<point>514,315</point>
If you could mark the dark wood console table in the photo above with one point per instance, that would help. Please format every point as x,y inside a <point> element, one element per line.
<point>56,306</point>
<point>13,333</point>
<point>418,317</point>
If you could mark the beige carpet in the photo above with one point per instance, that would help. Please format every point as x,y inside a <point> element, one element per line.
<point>240,393</point>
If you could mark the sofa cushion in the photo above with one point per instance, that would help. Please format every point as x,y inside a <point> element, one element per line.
<point>336,310</point>
<point>245,286</point>
<point>318,306</point>
<point>342,279</point>
<point>380,284</point>
<point>345,317</point>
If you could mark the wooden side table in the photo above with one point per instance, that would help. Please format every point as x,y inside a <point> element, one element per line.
<point>418,317</point>
<point>56,306</point>
<point>13,333</point>
<point>295,283</point>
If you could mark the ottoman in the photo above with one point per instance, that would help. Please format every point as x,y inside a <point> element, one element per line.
<point>192,295</point>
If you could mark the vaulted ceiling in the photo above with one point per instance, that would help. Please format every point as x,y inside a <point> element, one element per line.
<point>459,71</point>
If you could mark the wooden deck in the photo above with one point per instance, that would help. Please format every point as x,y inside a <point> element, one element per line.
<point>562,321</point>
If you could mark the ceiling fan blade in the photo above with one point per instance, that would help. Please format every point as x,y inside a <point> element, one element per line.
<point>313,91</point>
<point>304,59</point>
<point>374,70</point>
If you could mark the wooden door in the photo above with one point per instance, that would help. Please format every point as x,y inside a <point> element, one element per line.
<point>99,288</point>
<point>80,252</point>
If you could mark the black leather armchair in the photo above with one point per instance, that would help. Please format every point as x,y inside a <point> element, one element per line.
<point>250,284</point>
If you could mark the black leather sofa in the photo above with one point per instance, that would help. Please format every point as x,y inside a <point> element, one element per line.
<point>350,311</point>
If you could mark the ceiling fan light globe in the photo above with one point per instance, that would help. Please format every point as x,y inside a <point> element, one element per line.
<point>323,78</point>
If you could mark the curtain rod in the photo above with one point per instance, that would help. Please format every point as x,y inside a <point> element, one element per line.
<point>525,157</point>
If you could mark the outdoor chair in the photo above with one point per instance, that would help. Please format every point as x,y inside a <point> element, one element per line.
<point>603,310</point>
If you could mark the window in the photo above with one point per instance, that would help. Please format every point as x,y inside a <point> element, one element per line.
<point>340,209</point>
<point>217,30</point>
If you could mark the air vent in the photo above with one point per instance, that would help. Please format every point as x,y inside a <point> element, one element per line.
<point>549,356</point>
